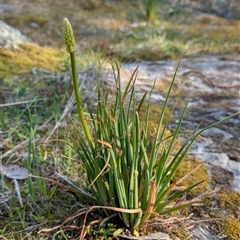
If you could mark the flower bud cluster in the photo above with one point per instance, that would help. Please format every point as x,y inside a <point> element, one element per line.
<point>68,35</point>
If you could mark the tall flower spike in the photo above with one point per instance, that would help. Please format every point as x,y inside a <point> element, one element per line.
<point>68,35</point>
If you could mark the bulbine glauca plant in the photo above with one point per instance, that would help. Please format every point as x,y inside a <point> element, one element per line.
<point>129,170</point>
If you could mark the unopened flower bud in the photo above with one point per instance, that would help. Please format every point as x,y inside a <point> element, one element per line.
<point>68,35</point>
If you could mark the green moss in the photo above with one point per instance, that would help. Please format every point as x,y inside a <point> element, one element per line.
<point>189,163</point>
<point>27,56</point>
<point>230,201</point>
<point>232,228</point>
<point>155,114</point>
<point>229,198</point>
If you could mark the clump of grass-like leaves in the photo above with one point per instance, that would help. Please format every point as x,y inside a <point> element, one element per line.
<point>149,10</point>
<point>129,169</point>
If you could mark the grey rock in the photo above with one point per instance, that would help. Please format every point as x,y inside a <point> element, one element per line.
<point>10,36</point>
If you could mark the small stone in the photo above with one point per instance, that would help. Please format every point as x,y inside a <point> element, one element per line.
<point>34,25</point>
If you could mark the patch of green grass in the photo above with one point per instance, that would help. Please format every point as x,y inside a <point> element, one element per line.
<point>149,9</point>
<point>171,36</point>
<point>152,47</point>
<point>32,105</point>
<point>21,123</point>
<point>105,232</point>
<point>44,203</point>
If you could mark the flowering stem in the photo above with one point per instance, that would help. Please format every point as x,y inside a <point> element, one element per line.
<point>70,45</point>
<point>79,99</point>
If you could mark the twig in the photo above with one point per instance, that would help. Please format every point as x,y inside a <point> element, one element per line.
<point>22,102</point>
<point>233,85</point>
<point>18,147</point>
